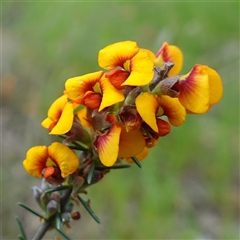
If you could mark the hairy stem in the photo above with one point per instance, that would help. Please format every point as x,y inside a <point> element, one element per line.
<point>48,223</point>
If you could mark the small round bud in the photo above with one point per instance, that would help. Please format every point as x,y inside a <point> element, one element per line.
<point>75,215</point>
<point>55,196</point>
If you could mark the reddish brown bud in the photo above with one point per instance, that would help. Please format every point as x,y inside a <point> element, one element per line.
<point>75,215</point>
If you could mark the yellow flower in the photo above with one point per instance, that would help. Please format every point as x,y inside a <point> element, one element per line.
<point>136,66</point>
<point>60,116</point>
<point>200,89</point>
<point>51,159</point>
<point>116,142</point>
<point>152,107</point>
<point>93,90</point>
<point>170,53</point>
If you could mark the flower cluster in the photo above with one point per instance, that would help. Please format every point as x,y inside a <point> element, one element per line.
<point>115,115</point>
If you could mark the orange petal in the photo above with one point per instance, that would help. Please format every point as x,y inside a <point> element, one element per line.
<point>141,69</point>
<point>49,171</point>
<point>91,100</point>
<point>173,109</point>
<point>117,77</point>
<point>108,145</point>
<point>64,157</point>
<point>147,107</point>
<point>170,53</point>
<point>35,161</point>
<point>76,87</point>
<point>110,95</point>
<point>164,127</point>
<point>131,143</point>
<point>65,121</point>
<point>142,155</point>
<point>194,92</point>
<point>117,54</point>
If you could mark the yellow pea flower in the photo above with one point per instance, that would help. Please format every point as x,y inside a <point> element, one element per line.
<point>57,160</point>
<point>136,66</point>
<point>200,89</point>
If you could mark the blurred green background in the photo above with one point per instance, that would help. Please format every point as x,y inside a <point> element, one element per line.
<point>188,187</point>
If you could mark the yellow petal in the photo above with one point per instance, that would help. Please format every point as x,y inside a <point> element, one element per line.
<point>64,157</point>
<point>35,161</point>
<point>215,85</point>
<point>108,145</point>
<point>65,121</point>
<point>147,107</point>
<point>82,115</point>
<point>131,143</point>
<point>117,54</point>
<point>150,53</point>
<point>194,92</point>
<point>141,69</point>
<point>110,95</point>
<point>173,109</point>
<point>55,111</point>
<point>76,87</point>
<point>47,122</point>
<point>170,53</point>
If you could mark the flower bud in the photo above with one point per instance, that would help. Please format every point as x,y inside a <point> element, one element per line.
<point>55,196</point>
<point>37,192</point>
<point>168,86</point>
<point>66,217</point>
<point>52,208</point>
<point>44,200</point>
<point>75,215</point>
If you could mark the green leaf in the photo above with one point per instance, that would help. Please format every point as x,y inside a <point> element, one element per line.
<point>90,173</point>
<point>117,166</point>
<point>81,146</point>
<point>90,211</point>
<point>30,210</point>
<point>137,162</point>
<point>58,222</point>
<point>23,236</point>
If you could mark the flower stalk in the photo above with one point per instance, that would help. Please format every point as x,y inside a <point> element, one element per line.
<point>108,120</point>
